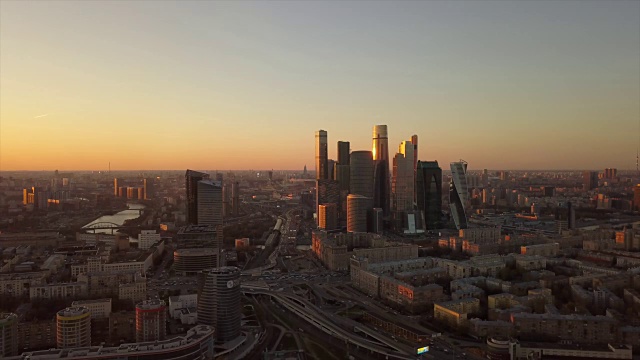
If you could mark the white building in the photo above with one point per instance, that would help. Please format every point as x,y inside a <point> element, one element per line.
<point>147,238</point>
<point>176,303</point>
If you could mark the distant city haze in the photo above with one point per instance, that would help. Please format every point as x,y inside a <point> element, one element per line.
<point>245,85</point>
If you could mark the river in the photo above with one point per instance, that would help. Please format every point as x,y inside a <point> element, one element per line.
<point>118,218</point>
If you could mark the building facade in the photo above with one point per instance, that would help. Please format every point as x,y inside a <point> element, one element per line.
<point>151,317</point>
<point>219,301</point>
<point>429,193</point>
<point>73,327</point>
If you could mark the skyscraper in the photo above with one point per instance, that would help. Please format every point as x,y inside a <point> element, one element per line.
<point>382,186</point>
<point>115,186</point>
<point>209,202</point>
<point>361,173</point>
<point>458,194</point>
<point>328,216</point>
<point>429,193</point>
<point>219,301</point>
<point>327,192</point>
<point>402,184</point>
<point>589,180</point>
<point>358,207</point>
<point>191,182</point>
<point>343,152</point>
<point>235,198</point>
<point>322,155</point>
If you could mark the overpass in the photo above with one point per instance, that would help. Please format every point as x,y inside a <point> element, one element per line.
<point>315,317</point>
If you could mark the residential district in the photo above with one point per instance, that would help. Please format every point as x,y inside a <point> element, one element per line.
<point>367,257</point>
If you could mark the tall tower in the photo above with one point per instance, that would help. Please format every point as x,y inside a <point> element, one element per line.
<point>429,193</point>
<point>219,301</point>
<point>151,317</point>
<point>210,205</point>
<point>382,186</point>
<point>235,198</point>
<point>361,174</point>
<point>358,207</point>
<point>343,152</point>
<point>115,186</point>
<point>191,183</point>
<point>73,327</point>
<point>322,155</point>
<point>403,185</point>
<point>458,194</point>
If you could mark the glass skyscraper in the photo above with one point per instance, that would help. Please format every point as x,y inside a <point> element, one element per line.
<point>459,194</point>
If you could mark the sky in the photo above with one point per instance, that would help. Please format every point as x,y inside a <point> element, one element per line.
<point>245,85</point>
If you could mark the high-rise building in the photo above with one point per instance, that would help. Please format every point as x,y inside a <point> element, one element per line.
<point>343,152</point>
<point>73,327</point>
<point>358,207</point>
<point>414,142</point>
<point>151,317</point>
<point>147,185</point>
<point>235,198</point>
<point>458,194</point>
<point>331,164</point>
<point>322,155</point>
<point>191,181</point>
<point>636,197</point>
<point>328,216</point>
<point>429,193</point>
<point>610,173</point>
<point>8,334</point>
<point>403,179</point>
<point>361,173</point>
<point>209,203</point>
<point>327,192</point>
<point>382,186</point>
<point>219,301</point>
<point>219,176</point>
<point>116,181</point>
<point>589,180</point>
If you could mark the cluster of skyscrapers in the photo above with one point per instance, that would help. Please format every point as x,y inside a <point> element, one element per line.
<point>364,193</point>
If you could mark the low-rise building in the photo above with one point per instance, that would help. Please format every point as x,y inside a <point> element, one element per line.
<point>456,313</point>
<point>555,327</point>
<point>99,308</point>
<point>58,291</point>
<point>550,249</point>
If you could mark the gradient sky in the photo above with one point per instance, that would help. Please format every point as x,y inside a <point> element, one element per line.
<point>244,85</point>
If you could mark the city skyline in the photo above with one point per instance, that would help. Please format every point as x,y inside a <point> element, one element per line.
<point>520,85</point>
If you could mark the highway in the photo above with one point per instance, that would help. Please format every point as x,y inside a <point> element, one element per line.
<point>319,319</point>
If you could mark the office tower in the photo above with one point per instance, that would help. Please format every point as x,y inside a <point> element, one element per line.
<point>116,181</point>
<point>304,171</point>
<point>151,317</point>
<point>414,142</point>
<point>589,180</point>
<point>382,186</point>
<point>219,301</point>
<point>270,175</point>
<point>610,173</point>
<point>361,173</point>
<point>191,182</point>
<point>328,216</point>
<point>226,199</point>
<point>402,184</point>
<point>504,175</point>
<point>73,327</point>
<point>458,194</point>
<point>322,155</point>
<point>636,197</point>
<point>330,169</point>
<point>358,207</point>
<point>429,194</point>
<point>210,204</point>
<point>327,192</point>
<point>235,198</point>
<point>343,152</point>
<point>147,185</point>
<point>8,334</point>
